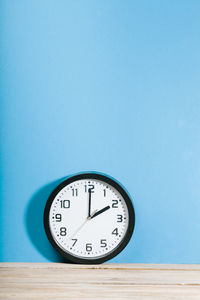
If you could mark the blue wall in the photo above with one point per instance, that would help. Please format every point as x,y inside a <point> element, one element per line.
<point>109,86</point>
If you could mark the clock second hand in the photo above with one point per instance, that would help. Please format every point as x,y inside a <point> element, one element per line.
<point>79,228</point>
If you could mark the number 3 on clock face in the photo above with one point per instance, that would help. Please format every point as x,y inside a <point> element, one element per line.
<point>89,218</point>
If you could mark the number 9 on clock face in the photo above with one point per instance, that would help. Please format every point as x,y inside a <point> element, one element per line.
<point>89,218</point>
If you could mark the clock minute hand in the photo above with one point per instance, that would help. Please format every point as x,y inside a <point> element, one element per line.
<point>89,204</point>
<point>100,211</point>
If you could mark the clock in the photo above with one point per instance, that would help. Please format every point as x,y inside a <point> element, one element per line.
<point>89,218</point>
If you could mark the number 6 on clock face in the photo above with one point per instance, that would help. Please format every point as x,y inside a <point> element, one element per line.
<point>89,218</point>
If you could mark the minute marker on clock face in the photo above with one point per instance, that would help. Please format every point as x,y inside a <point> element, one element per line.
<point>91,221</point>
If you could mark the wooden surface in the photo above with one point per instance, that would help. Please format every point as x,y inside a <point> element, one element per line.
<point>106,281</point>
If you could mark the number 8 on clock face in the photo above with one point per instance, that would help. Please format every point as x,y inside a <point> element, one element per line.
<point>89,218</point>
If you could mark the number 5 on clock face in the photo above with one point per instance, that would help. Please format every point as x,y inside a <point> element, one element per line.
<point>89,218</point>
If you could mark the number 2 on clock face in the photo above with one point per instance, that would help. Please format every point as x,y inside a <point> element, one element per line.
<point>89,218</point>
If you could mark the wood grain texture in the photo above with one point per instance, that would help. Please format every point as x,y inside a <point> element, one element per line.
<point>106,281</point>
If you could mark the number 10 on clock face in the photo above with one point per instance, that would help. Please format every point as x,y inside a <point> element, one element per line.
<point>89,218</point>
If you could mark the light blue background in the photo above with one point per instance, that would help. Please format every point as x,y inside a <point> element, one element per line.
<point>108,86</point>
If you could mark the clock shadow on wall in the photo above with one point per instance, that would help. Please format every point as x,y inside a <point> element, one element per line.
<point>34,222</point>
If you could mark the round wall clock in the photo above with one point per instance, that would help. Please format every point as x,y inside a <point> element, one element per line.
<point>89,218</point>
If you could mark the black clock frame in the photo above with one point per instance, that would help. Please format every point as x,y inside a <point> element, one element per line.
<point>130,227</point>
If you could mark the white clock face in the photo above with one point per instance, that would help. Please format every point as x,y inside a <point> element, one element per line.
<point>88,218</point>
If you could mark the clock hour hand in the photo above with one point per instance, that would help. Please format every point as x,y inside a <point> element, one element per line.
<point>100,211</point>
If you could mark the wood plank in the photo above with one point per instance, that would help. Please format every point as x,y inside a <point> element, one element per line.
<point>106,281</point>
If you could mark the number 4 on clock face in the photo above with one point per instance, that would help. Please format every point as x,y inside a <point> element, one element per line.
<point>89,218</point>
